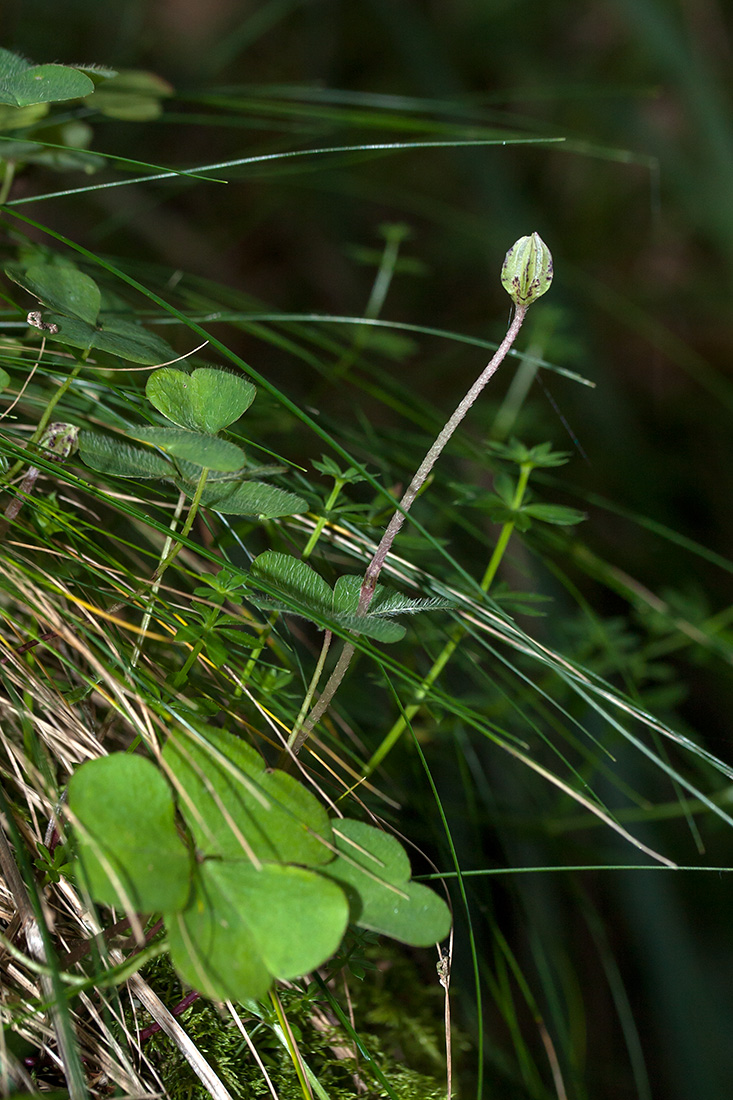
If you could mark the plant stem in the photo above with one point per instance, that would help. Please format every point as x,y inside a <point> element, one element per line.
<point>456,635</point>
<point>323,520</point>
<point>376,564</point>
<point>167,557</point>
<point>394,236</point>
<point>156,583</point>
<point>192,512</point>
<point>292,739</point>
<point>46,416</point>
<point>7,183</point>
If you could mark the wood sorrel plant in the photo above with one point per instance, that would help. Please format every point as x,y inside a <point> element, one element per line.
<point>261,882</point>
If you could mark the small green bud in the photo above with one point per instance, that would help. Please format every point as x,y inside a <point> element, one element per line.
<point>527,270</point>
<point>60,439</point>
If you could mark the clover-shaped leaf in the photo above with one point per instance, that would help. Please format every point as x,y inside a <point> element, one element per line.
<point>236,809</point>
<point>75,318</point>
<point>22,83</point>
<point>206,400</point>
<point>61,288</point>
<point>128,851</point>
<point>204,450</point>
<point>109,455</point>
<point>246,926</point>
<point>374,870</point>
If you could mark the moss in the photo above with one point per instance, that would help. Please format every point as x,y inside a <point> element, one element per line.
<point>398,1020</point>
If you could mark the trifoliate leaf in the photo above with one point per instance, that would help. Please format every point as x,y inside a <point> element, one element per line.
<point>236,809</point>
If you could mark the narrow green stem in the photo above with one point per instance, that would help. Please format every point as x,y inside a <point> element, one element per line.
<point>180,678</point>
<point>7,183</point>
<point>506,532</point>
<point>167,557</point>
<point>42,423</point>
<point>255,655</point>
<point>292,739</point>
<point>192,512</point>
<point>456,634</point>
<point>156,583</point>
<point>332,498</point>
<point>394,236</point>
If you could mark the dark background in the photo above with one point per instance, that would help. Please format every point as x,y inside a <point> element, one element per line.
<point>636,205</point>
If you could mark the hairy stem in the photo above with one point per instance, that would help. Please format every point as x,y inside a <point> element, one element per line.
<point>456,635</point>
<point>382,552</point>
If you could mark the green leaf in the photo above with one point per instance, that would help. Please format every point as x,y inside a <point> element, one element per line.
<point>248,498</point>
<point>499,512</point>
<point>131,95</point>
<point>22,83</point>
<point>204,450</point>
<point>61,288</point>
<point>246,926</point>
<point>299,590</point>
<point>131,341</point>
<point>206,400</point>
<point>538,456</point>
<point>385,601</point>
<point>238,810</point>
<point>128,850</point>
<point>374,870</point>
<point>4,379</point>
<point>294,580</point>
<point>112,335</point>
<point>556,514</point>
<point>18,118</point>
<point>113,456</point>
<point>328,468</point>
<point>505,488</point>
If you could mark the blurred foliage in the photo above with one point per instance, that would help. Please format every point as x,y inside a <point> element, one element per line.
<point>635,205</point>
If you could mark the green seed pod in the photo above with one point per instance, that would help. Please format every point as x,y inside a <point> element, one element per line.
<point>527,270</point>
<point>60,439</point>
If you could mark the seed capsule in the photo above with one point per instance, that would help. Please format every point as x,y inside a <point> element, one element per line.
<point>527,270</point>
